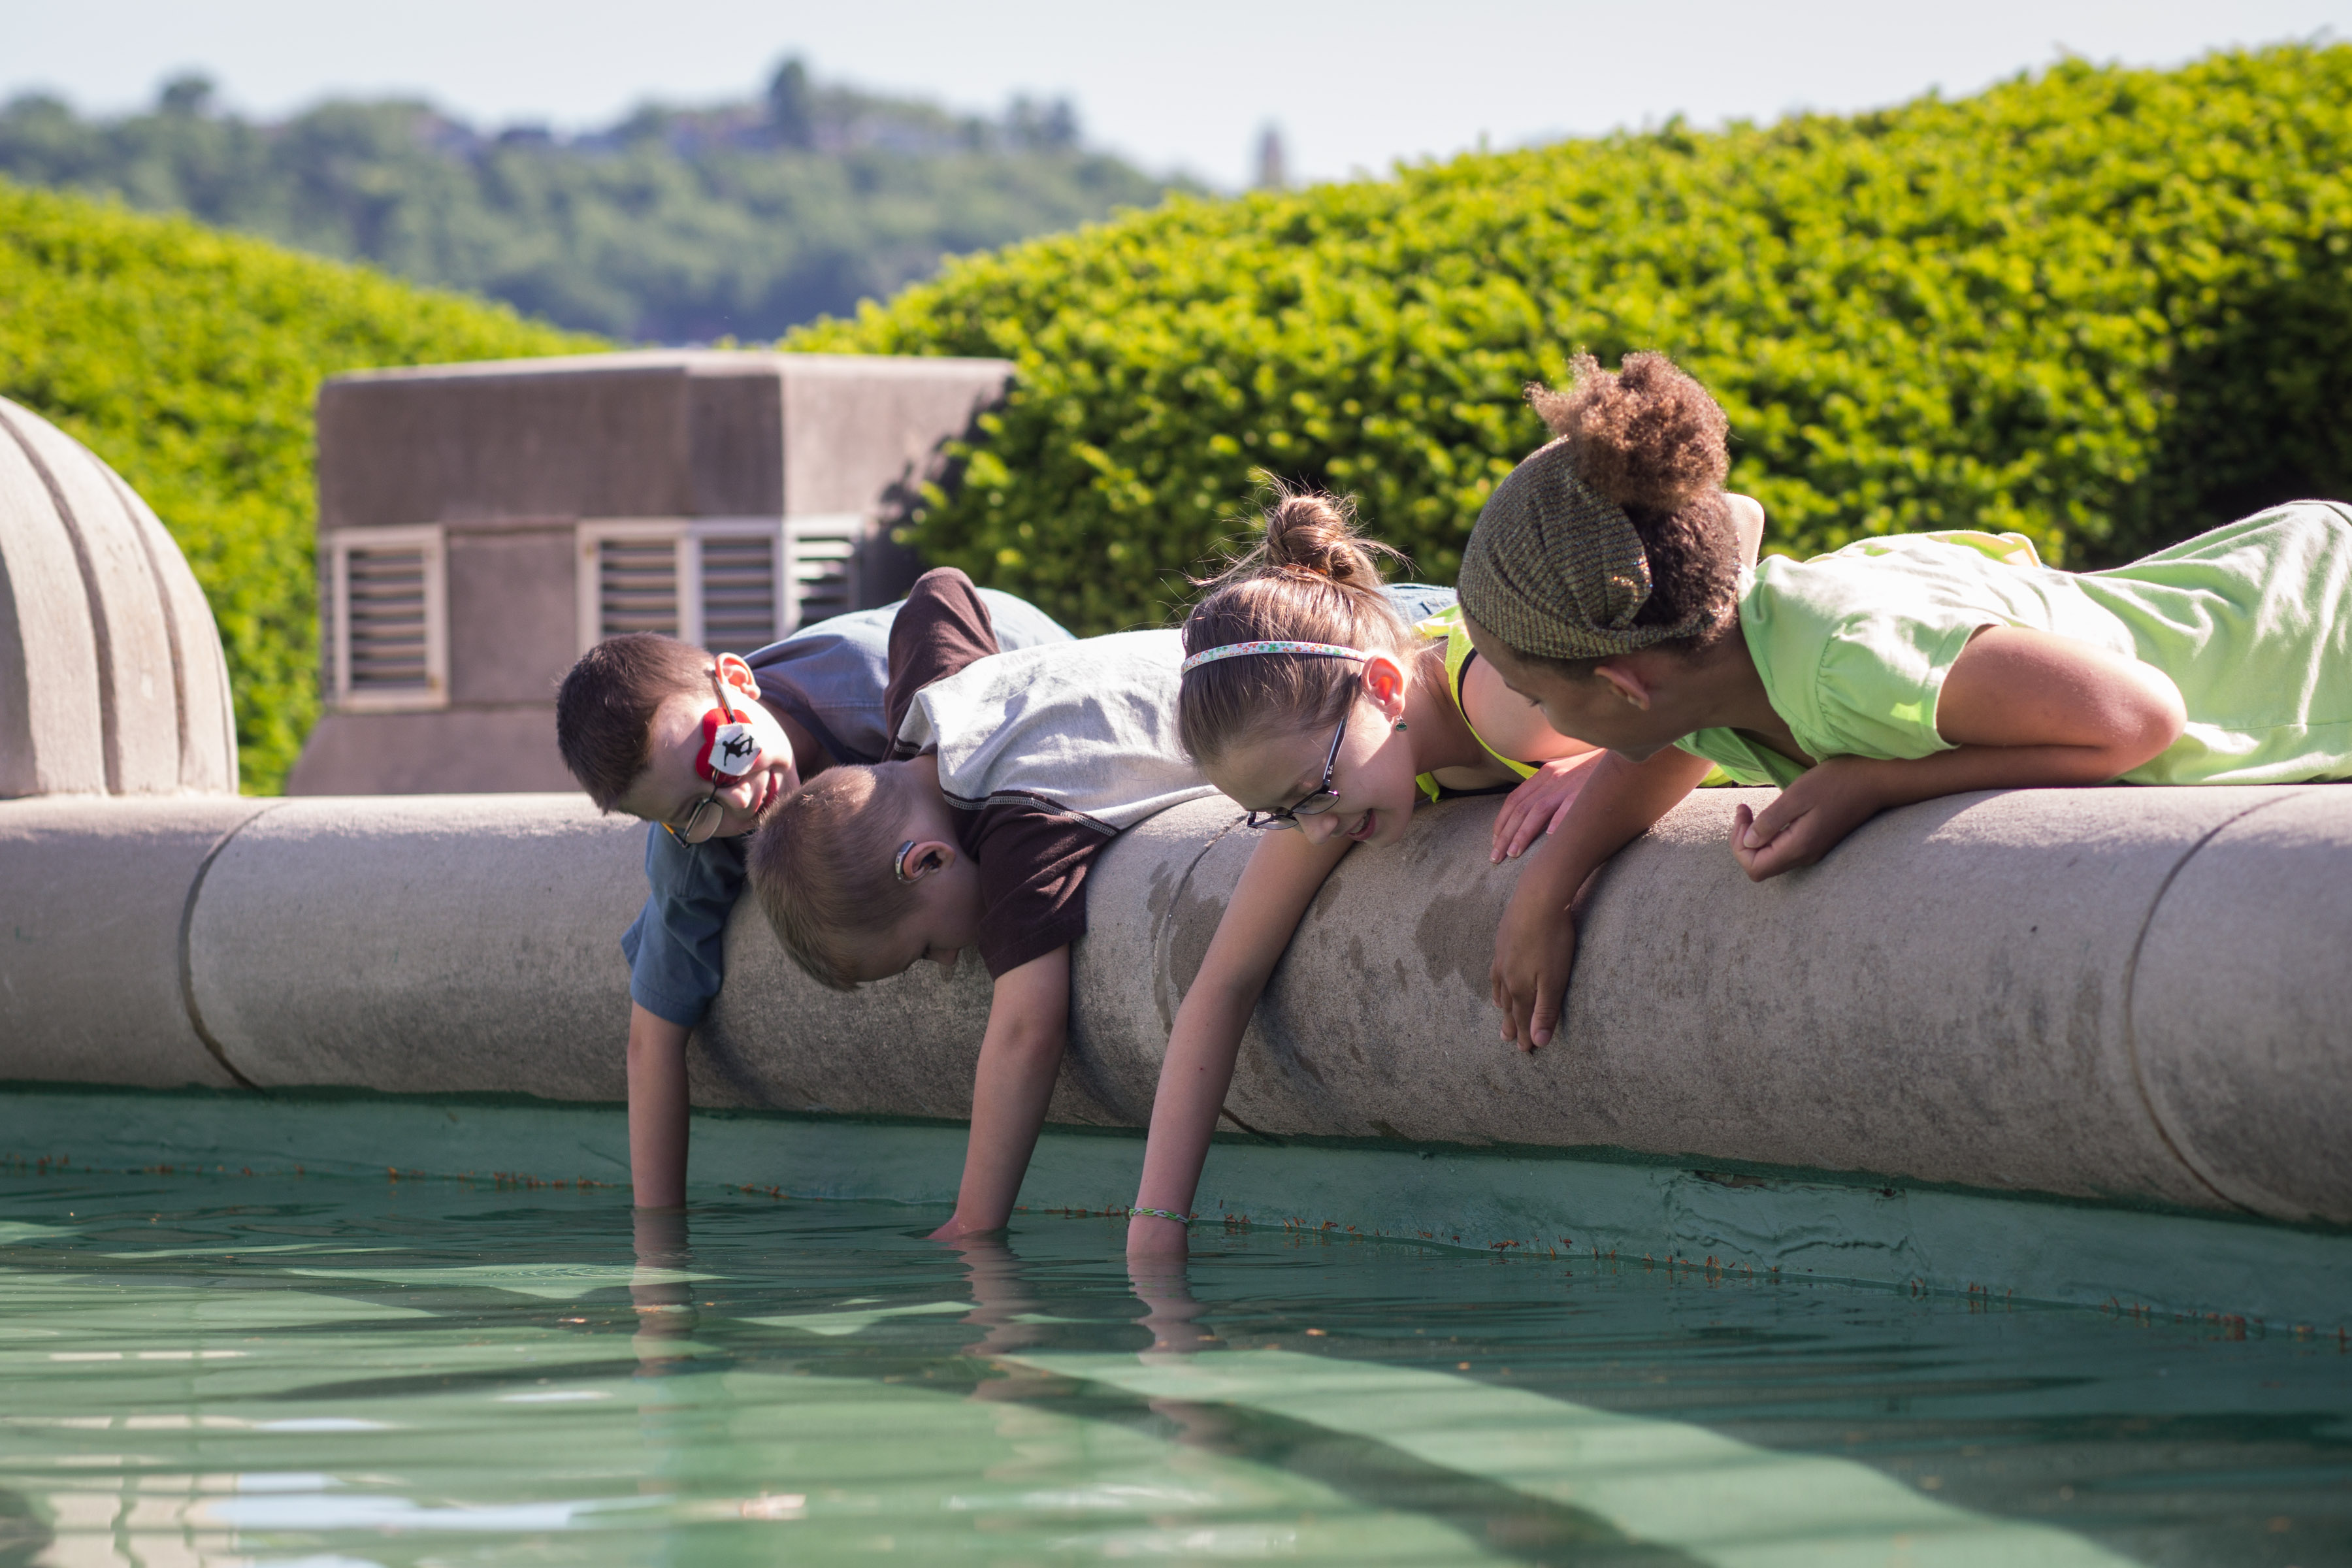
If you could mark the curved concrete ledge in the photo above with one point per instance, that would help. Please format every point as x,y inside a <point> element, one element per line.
<point>2139,994</point>
<point>111,676</point>
<point>422,943</point>
<point>92,975</point>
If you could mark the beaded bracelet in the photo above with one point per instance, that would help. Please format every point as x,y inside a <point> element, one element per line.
<point>1161,1214</point>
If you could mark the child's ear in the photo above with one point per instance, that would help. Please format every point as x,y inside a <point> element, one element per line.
<point>920,857</point>
<point>1627,681</point>
<point>737,674</point>
<point>1384,683</point>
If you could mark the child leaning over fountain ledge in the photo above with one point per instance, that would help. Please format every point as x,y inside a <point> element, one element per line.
<point>1009,776</point>
<point>1601,584</point>
<point>700,746</point>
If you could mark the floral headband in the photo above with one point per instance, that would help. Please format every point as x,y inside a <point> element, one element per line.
<point>1242,650</point>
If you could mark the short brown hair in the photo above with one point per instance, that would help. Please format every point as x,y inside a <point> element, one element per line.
<point>820,866</point>
<point>605,708</point>
<point>1313,578</point>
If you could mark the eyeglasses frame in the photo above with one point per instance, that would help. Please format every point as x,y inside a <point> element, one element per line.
<point>1316,801</point>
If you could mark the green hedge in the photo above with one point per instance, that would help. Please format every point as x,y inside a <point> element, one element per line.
<point>189,359</point>
<point>2106,308</point>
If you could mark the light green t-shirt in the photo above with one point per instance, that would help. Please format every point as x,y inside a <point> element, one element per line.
<point>2252,622</point>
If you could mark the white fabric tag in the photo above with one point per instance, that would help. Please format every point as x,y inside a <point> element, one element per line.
<point>734,750</point>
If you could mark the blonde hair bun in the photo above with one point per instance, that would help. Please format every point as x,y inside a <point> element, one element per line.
<point>1307,530</point>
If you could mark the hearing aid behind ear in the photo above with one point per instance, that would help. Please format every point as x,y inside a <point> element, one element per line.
<point>898,862</point>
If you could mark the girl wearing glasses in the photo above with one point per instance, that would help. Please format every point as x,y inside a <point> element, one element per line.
<point>1307,698</point>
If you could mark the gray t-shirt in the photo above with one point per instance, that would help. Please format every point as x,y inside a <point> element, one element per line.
<point>830,678</point>
<point>1087,733</point>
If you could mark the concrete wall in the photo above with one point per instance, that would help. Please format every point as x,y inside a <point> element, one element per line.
<point>508,458</point>
<point>111,679</point>
<point>2100,993</point>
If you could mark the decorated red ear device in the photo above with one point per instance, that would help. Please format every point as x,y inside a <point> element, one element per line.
<point>730,748</point>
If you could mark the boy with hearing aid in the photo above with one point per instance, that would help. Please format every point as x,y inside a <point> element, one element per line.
<point>1602,583</point>
<point>1008,775</point>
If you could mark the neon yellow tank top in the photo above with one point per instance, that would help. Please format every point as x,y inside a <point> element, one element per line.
<point>1447,623</point>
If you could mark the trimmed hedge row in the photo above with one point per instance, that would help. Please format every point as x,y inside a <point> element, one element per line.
<point>2105,307</point>
<point>189,359</point>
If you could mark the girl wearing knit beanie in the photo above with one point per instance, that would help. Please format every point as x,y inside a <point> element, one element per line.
<point>1603,582</point>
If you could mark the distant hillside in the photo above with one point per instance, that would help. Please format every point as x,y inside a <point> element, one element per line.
<point>189,359</point>
<point>672,226</point>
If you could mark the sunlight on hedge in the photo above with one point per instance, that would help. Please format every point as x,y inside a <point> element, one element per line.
<point>2105,307</point>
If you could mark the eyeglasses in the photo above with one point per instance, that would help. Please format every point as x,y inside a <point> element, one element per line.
<point>701,824</point>
<point>1322,798</point>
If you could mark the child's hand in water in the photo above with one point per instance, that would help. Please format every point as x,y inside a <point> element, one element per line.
<point>1537,806</point>
<point>1811,817</point>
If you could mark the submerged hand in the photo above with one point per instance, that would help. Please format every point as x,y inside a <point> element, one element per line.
<point>1808,819</point>
<point>1533,953</point>
<point>1538,805</point>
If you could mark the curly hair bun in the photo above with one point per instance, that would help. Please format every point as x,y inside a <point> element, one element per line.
<point>1645,435</point>
<point>1316,533</point>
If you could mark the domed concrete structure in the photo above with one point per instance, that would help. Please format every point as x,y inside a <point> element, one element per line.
<point>111,676</point>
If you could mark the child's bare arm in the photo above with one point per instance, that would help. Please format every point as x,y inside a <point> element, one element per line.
<point>1020,1055</point>
<point>1284,873</point>
<point>657,1110</point>
<point>1536,946</point>
<point>2022,708</point>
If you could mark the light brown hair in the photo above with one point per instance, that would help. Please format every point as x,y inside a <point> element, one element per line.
<point>821,867</point>
<point>605,708</point>
<point>1313,578</point>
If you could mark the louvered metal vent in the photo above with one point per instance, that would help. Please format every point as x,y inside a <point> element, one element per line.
<point>386,611</point>
<point>822,554</point>
<point>739,592</point>
<point>331,657</point>
<point>637,586</point>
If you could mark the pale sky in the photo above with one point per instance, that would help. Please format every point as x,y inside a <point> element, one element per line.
<point>1353,86</point>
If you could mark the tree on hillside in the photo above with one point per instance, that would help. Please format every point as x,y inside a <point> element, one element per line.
<point>672,225</point>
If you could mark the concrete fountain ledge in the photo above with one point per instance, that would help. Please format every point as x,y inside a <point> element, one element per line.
<point>2119,993</point>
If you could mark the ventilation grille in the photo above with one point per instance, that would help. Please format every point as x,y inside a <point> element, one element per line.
<point>331,611</point>
<point>390,633</point>
<point>821,560</point>
<point>739,592</point>
<point>637,586</point>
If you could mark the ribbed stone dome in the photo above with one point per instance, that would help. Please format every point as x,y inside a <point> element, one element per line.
<point>111,677</point>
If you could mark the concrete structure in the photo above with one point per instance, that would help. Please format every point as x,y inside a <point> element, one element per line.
<point>481,524</point>
<point>112,679</point>
<point>2116,994</point>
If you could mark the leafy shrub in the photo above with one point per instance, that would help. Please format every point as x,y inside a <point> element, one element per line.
<point>190,360</point>
<point>2106,308</point>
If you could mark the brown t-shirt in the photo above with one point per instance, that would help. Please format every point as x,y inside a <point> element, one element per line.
<point>1032,860</point>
